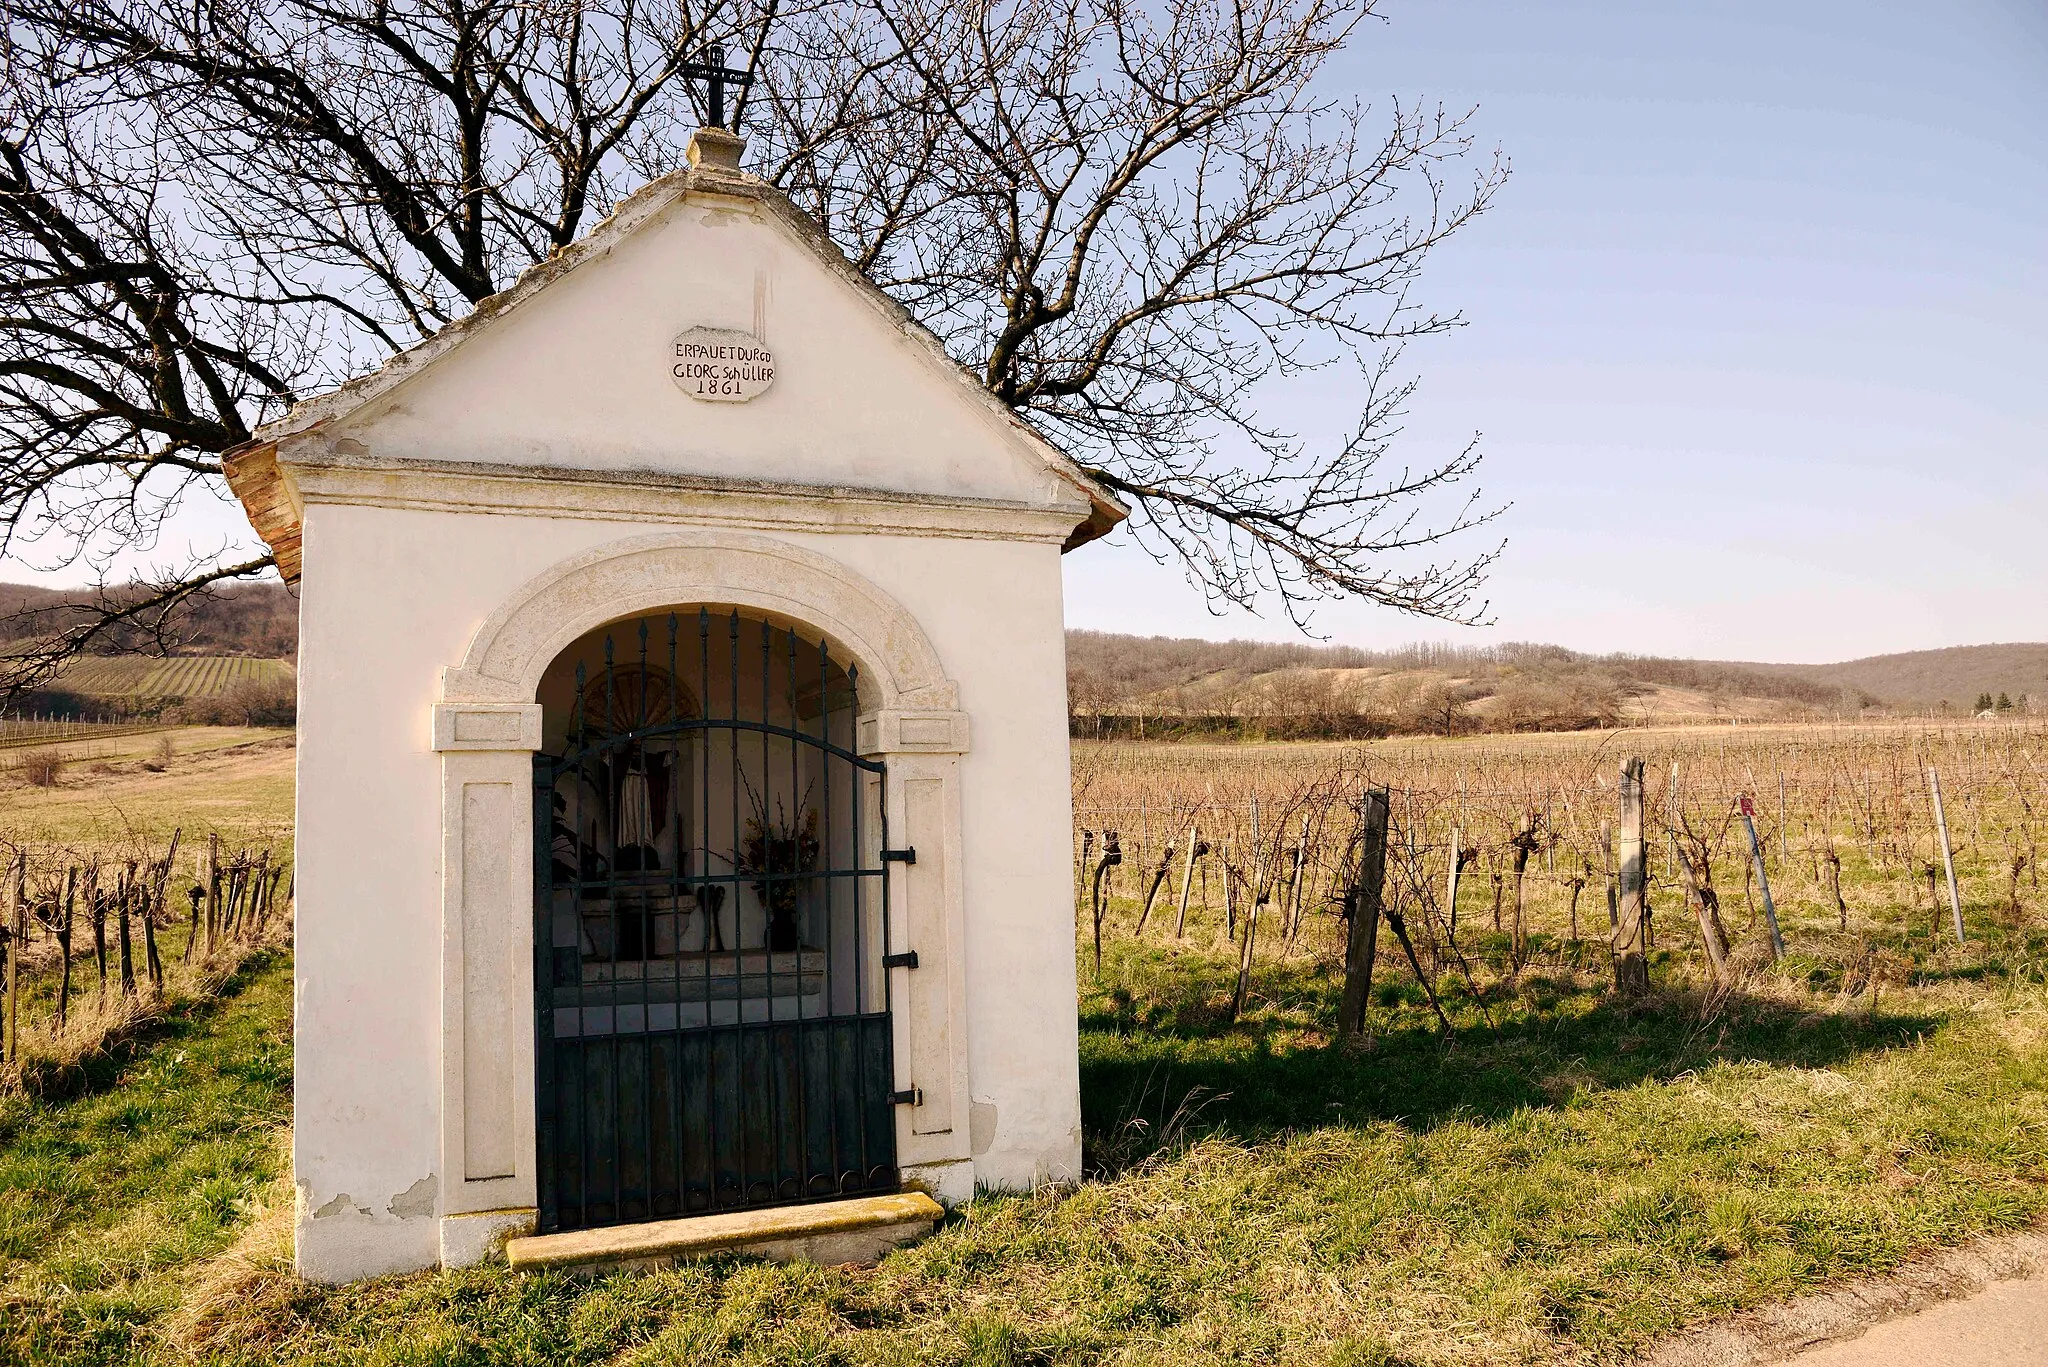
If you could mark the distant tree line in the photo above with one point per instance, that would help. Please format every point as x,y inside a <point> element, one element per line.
<point>259,620</point>
<point>1160,687</point>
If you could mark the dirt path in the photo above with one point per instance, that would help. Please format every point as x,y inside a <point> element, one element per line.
<point>1984,1304</point>
<point>2004,1325</point>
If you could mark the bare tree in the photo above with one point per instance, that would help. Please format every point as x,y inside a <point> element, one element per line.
<point>1126,220</point>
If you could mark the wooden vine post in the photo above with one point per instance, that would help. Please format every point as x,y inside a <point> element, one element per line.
<point>1763,882</point>
<point>1613,893</point>
<point>124,900</point>
<point>1256,896</point>
<point>1291,917</point>
<point>211,878</point>
<point>1196,849</point>
<point>1362,904</point>
<point>17,889</point>
<point>1631,965</point>
<point>1451,888</point>
<point>1948,858</point>
<point>64,946</point>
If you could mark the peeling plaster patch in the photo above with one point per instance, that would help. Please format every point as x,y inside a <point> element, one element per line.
<point>981,1126</point>
<point>415,1201</point>
<point>340,1205</point>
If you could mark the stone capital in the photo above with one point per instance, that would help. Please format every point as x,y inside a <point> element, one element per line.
<point>487,726</point>
<point>905,731</point>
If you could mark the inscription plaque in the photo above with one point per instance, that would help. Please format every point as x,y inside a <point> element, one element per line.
<point>718,365</point>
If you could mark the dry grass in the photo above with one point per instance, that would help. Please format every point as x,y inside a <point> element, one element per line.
<point>237,783</point>
<point>1858,793</point>
<point>238,1301</point>
<point>234,780</point>
<point>103,1022</point>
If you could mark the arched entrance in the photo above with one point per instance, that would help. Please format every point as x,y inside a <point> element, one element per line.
<point>511,697</point>
<point>712,1013</point>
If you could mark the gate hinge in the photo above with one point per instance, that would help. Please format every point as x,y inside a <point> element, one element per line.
<point>913,1096</point>
<point>905,856</point>
<point>907,959</point>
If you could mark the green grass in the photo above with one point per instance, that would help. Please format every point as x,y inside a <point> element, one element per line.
<point>1570,1183</point>
<point>150,1167</point>
<point>1562,1178</point>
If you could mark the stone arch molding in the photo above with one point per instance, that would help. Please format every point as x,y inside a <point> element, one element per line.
<point>487,727</point>
<point>515,645</point>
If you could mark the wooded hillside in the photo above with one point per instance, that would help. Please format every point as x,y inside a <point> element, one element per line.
<point>260,620</point>
<point>1438,687</point>
<point>1958,674</point>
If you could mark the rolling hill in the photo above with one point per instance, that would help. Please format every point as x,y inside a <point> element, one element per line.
<point>1517,686</point>
<point>259,619</point>
<point>1957,674</point>
<point>138,682</point>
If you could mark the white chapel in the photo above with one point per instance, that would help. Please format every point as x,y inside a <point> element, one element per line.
<point>683,791</point>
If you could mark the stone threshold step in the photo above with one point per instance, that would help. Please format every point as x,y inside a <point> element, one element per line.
<point>857,1231</point>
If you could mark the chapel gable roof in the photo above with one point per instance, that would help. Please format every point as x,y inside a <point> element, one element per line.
<point>253,470</point>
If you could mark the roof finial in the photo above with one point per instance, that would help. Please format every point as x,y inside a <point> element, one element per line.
<point>714,147</point>
<point>716,75</point>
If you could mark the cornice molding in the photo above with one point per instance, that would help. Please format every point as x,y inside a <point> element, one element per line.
<point>317,477</point>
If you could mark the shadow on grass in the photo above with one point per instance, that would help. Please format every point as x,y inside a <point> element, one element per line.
<point>104,1066</point>
<point>1160,1059</point>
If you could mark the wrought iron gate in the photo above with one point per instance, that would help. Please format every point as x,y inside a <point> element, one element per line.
<point>711,993</point>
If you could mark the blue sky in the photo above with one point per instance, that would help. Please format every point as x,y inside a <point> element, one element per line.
<point>1758,329</point>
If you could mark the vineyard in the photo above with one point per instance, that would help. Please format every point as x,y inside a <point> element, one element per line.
<point>93,947</point>
<point>20,732</point>
<point>134,682</point>
<point>1501,854</point>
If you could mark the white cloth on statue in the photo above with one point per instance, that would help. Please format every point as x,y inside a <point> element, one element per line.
<point>636,811</point>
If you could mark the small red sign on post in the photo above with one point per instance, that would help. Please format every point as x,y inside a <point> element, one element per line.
<point>1748,807</point>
